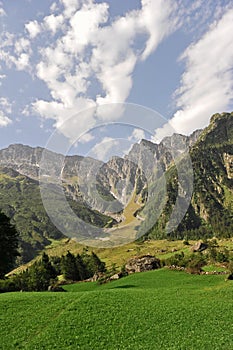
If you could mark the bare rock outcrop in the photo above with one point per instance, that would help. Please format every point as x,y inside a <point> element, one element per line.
<point>142,263</point>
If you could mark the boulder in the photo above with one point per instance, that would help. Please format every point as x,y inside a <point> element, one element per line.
<point>199,247</point>
<point>56,289</point>
<point>116,276</point>
<point>142,263</point>
<point>96,277</point>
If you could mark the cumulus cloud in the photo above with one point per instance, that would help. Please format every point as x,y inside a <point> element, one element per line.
<point>33,28</point>
<point>15,51</point>
<point>104,149</point>
<point>137,135</point>
<point>2,76</point>
<point>4,120</point>
<point>22,45</point>
<point>86,59</point>
<point>53,23</point>
<point>157,20</point>
<point>5,108</point>
<point>2,12</point>
<point>207,83</point>
<point>86,138</point>
<point>5,105</point>
<point>71,6</point>
<point>73,121</point>
<point>89,46</point>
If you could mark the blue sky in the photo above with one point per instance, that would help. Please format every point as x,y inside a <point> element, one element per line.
<point>58,58</point>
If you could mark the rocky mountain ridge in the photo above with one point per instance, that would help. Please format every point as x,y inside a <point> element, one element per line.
<point>96,189</point>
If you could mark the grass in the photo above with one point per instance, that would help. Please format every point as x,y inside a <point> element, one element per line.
<point>162,249</point>
<point>130,210</point>
<point>117,255</point>
<point>125,231</point>
<point>161,309</point>
<point>212,268</point>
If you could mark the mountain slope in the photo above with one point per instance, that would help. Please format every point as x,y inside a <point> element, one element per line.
<point>126,180</point>
<point>20,199</point>
<point>211,208</point>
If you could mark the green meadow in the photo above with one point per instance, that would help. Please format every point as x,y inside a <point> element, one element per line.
<point>161,309</point>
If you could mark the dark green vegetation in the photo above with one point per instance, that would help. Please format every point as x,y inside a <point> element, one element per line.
<point>51,272</point>
<point>210,212</point>
<point>44,272</point>
<point>8,245</point>
<point>197,262</point>
<point>155,310</point>
<point>20,200</point>
<point>211,209</point>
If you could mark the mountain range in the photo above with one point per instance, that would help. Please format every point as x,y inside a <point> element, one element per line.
<point>144,192</point>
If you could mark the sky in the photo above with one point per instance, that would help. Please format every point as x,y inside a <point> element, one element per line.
<point>69,66</point>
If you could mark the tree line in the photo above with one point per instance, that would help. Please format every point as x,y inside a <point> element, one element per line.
<point>45,271</point>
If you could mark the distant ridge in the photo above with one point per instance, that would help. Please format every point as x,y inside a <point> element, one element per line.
<point>210,211</point>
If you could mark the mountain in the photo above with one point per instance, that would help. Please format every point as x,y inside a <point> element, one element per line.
<point>21,200</point>
<point>126,193</point>
<point>210,212</point>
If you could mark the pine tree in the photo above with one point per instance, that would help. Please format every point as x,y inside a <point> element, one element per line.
<point>69,267</point>
<point>8,245</point>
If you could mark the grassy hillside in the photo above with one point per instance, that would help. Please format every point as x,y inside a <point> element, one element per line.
<point>20,199</point>
<point>118,256</point>
<point>211,209</point>
<point>155,310</point>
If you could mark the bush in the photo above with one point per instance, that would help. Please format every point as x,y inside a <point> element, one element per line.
<point>195,263</point>
<point>8,285</point>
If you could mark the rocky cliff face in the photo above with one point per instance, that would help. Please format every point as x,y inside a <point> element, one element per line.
<point>23,159</point>
<point>115,180</point>
<point>211,208</point>
<point>107,187</point>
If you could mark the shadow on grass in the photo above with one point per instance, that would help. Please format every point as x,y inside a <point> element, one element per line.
<point>124,286</point>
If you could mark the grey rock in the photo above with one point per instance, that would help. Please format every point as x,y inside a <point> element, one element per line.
<point>142,263</point>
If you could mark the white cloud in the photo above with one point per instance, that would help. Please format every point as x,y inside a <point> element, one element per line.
<point>105,149</point>
<point>4,120</point>
<point>5,108</point>
<point>53,23</point>
<point>2,76</point>
<point>207,83</point>
<point>54,7</point>
<point>5,105</point>
<point>15,51</point>
<point>157,19</point>
<point>72,122</point>
<point>137,135</point>
<point>86,138</point>
<point>21,62</point>
<point>70,6</point>
<point>33,28</point>
<point>2,12</point>
<point>89,47</point>
<point>22,45</point>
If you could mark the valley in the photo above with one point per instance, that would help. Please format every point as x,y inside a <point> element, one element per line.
<point>127,197</point>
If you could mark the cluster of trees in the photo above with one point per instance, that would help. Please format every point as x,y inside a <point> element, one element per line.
<point>45,272</point>
<point>195,261</point>
<point>8,245</point>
